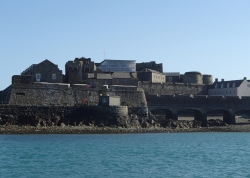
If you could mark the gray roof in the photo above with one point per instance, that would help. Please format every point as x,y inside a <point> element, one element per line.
<point>154,71</point>
<point>121,75</point>
<point>172,74</point>
<point>103,76</point>
<point>237,83</point>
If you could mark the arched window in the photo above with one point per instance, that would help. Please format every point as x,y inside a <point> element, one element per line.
<point>222,85</point>
<point>233,84</point>
<point>228,85</point>
<point>215,86</point>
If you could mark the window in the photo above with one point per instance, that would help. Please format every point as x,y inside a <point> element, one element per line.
<point>228,85</point>
<point>38,77</point>
<point>233,84</point>
<point>20,94</point>
<point>117,80</point>
<point>53,76</point>
<point>104,100</point>
<point>222,85</point>
<point>215,86</point>
<point>170,79</point>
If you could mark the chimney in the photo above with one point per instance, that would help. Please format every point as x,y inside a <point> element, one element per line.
<point>222,79</point>
<point>245,78</point>
<point>216,79</point>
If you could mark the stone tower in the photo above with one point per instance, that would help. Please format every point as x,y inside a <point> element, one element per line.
<point>76,70</point>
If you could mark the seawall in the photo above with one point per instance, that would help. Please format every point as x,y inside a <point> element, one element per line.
<point>61,115</point>
<point>50,94</point>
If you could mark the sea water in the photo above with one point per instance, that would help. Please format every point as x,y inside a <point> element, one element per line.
<point>126,155</point>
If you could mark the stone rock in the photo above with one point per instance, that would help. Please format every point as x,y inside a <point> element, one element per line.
<point>145,124</point>
<point>100,125</point>
<point>142,112</point>
<point>63,125</point>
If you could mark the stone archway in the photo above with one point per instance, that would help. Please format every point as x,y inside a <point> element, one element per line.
<point>221,114</point>
<point>163,113</point>
<point>192,115</point>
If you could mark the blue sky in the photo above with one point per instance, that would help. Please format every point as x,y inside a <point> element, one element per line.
<point>210,36</point>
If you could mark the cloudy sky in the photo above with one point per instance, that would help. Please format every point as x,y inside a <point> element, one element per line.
<point>210,36</point>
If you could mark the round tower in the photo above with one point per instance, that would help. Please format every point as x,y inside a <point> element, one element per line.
<point>207,79</point>
<point>193,77</point>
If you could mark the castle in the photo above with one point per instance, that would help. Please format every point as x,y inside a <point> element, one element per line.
<point>44,83</point>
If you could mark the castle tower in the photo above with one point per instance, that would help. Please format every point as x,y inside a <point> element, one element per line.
<point>76,69</point>
<point>193,77</point>
<point>208,79</point>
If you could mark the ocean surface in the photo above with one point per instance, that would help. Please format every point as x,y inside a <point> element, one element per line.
<point>126,155</point>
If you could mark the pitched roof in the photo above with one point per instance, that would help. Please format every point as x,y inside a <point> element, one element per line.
<point>47,61</point>
<point>236,83</point>
<point>154,71</point>
<point>121,75</point>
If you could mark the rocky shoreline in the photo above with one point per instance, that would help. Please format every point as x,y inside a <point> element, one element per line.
<point>95,120</point>
<point>14,129</point>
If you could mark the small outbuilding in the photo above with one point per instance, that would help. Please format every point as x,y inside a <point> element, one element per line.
<point>109,101</point>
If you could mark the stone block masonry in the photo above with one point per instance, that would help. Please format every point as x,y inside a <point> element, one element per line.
<point>170,88</point>
<point>48,94</point>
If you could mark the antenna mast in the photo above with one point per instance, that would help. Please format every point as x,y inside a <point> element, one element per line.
<point>104,53</point>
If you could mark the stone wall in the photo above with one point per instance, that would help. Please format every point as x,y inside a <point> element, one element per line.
<point>130,96</point>
<point>48,94</point>
<point>170,88</point>
<point>4,95</point>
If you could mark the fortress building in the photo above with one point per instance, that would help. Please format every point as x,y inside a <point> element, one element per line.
<point>151,76</point>
<point>230,88</point>
<point>109,65</point>
<point>172,76</point>
<point>196,77</point>
<point>45,71</point>
<point>76,70</point>
<point>149,65</point>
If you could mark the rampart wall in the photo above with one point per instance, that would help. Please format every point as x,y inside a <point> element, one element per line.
<point>47,94</point>
<point>170,88</point>
<point>131,96</point>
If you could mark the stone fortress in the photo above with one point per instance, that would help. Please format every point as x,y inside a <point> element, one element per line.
<point>120,84</point>
<point>44,83</point>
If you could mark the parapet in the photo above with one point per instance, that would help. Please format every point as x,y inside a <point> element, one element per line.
<point>22,79</point>
<point>80,86</point>
<point>51,85</point>
<point>123,87</point>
